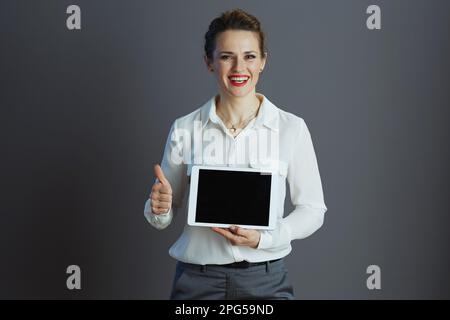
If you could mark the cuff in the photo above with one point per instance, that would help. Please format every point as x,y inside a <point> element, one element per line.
<point>159,221</point>
<point>279,237</point>
<point>265,240</point>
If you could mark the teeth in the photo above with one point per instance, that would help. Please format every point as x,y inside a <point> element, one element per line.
<point>238,78</point>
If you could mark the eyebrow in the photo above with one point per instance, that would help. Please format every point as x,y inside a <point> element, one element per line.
<point>229,52</point>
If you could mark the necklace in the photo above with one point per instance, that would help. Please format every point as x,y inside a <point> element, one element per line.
<point>233,127</point>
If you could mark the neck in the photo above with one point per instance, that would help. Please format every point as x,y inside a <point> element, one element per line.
<point>237,109</point>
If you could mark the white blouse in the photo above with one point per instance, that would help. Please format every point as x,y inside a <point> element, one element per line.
<point>275,138</point>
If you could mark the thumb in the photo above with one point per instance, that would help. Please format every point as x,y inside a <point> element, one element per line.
<point>237,230</point>
<point>160,174</point>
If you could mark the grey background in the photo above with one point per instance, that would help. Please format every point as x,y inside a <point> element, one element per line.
<point>85,114</point>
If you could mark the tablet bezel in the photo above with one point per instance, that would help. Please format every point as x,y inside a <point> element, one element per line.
<point>194,189</point>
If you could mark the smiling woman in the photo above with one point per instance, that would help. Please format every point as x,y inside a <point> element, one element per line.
<point>237,263</point>
<point>235,52</point>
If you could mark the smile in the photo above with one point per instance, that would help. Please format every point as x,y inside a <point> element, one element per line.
<point>239,81</point>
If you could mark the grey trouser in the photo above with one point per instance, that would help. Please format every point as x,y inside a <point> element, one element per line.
<point>214,282</point>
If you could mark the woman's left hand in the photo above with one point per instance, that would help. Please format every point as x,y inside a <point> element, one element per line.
<point>240,236</point>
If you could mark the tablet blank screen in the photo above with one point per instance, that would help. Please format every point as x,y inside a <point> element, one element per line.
<point>233,197</point>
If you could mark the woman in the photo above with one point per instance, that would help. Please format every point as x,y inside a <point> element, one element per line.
<point>237,263</point>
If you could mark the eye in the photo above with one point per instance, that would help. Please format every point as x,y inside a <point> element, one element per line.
<point>250,56</point>
<point>224,57</point>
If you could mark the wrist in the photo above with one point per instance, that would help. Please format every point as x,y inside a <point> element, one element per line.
<point>257,241</point>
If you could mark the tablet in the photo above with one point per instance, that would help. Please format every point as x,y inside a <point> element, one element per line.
<point>226,196</point>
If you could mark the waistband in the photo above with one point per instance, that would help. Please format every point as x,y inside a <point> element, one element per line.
<point>244,264</point>
<point>238,265</point>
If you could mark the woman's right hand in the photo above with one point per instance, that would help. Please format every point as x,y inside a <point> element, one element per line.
<point>161,194</point>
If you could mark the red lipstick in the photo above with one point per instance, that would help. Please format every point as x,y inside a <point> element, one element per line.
<point>238,80</point>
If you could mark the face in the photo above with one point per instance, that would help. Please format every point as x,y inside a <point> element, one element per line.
<point>237,62</point>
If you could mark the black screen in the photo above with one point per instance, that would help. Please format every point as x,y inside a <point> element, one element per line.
<point>233,197</point>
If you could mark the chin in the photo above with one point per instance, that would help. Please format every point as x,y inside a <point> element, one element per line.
<point>239,93</point>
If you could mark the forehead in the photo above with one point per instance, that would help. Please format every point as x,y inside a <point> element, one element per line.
<point>237,40</point>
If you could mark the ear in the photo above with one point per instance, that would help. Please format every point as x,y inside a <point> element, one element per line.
<point>208,63</point>
<point>264,59</point>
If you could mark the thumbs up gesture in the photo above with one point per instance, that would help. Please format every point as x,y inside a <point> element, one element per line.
<point>161,194</point>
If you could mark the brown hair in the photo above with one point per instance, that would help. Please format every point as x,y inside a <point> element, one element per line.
<point>236,19</point>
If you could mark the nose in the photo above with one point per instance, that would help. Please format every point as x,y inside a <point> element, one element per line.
<point>239,64</point>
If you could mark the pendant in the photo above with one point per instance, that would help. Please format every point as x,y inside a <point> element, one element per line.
<point>233,129</point>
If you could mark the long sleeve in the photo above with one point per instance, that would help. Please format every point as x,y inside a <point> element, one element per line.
<point>174,168</point>
<point>306,195</point>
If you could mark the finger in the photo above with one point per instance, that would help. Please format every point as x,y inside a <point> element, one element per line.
<point>240,231</point>
<point>165,196</point>
<point>159,210</point>
<point>160,174</point>
<point>227,234</point>
<point>159,203</point>
<point>157,194</point>
<point>165,189</point>
<point>161,196</point>
<point>157,207</point>
<point>156,187</point>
